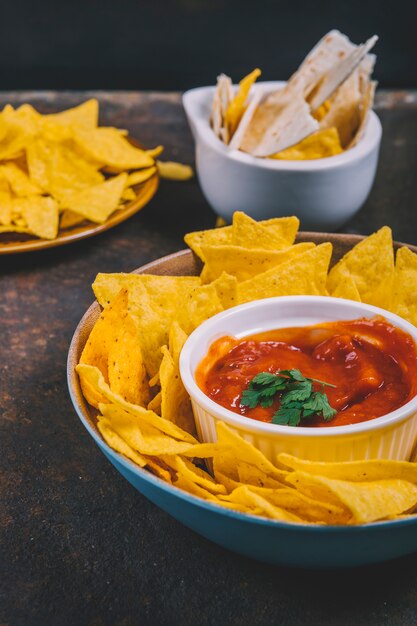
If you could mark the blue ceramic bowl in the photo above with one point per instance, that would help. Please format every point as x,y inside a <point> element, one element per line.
<point>265,540</point>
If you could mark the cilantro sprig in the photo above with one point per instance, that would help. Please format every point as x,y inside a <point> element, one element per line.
<point>298,399</point>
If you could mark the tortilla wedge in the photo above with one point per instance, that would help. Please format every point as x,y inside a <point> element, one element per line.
<point>338,73</point>
<point>278,125</point>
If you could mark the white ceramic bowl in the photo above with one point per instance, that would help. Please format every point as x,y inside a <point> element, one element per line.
<point>391,436</point>
<point>323,193</point>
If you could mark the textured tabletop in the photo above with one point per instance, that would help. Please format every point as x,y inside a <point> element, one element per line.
<point>78,545</point>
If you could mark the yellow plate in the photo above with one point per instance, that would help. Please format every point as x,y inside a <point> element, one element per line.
<point>12,243</point>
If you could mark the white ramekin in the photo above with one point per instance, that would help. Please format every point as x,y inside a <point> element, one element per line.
<point>323,193</point>
<point>391,436</point>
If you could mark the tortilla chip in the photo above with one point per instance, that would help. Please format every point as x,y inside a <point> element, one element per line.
<point>247,496</point>
<point>96,349</point>
<point>126,369</point>
<point>127,195</point>
<point>332,47</point>
<point>69,219</point>
<point>319,145</point>
<point>185,468</point>
<point>347,288</point>
<point>305,508</point>
<point>365,107</point>
<point>166,292</point>
<point>92,375</point>
<point>223,95</point>
<point>214,236</point>
<point>18,129</point>
<point>154,152</point>
<point>200,303</point>
<point>245,263</point>
<point>353,471</point>
<point>367,501</point>
<point>371,265</point>
<point>274,234</point>
<point>246,119</point>
<point>119,444</point>
<point>97,203</point>
<point>40,213</point>
<point>59,170</point>
<point>141,437</point>
<point>84,115</point>
<point>5,208</point>
<point>236,107</point>
<point>108,147</point>
<point>343,112</point>
<point>226,288</point>
<point>404,302</point>
<point>276,126</point>
<point>231,449</point>
<point>139,177</point>
<point>174,171</point>
<point>305,274</point>
<point>339,72</point>
<point>19,181</point>
<point>175,401</point>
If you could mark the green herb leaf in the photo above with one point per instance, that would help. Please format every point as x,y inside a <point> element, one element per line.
<point>298,400</point>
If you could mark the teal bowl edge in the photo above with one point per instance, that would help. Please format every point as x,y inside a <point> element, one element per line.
<point>269,541</point>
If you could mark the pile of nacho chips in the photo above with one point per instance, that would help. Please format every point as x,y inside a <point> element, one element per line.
<point>321,111</point>
<point>129,370</point>
<point>59,170</point>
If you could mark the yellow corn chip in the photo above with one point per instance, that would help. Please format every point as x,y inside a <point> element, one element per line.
<point>69,219</point>
<point>97,203</point>
<point>40,213</point>
<point>93,376</point>
<point>226,288</point>
<point>274,234</point>
<point>304,275</point>
<point>354,471</point>
<point>306,508</point>
<point>405,281</point>
<point>136,178</point>
<point>174,171</point>
<point>237,106</point>
<point>321,144</point>
<point>5,208</point>
<point>85,115</point>
<point>141,437</point>
<point>371,265</point>
<point>367,501</point>
<point>232,448</point>
<point>185,468</point>
<point>246,496</point>
<point>19,181</point>
<point>154,152</point>
<point>175,401</point>
<point>212,237</point>
<point>200,303</point>
<point>59,170</point>
<point>128,194</point>
<point>109,147</point>
<point>119,444</point>
<point>245,263</point>
<point>167,292</point>
<point>347,288</point>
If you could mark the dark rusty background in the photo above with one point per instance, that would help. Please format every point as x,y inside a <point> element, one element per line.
<point>78,545</point>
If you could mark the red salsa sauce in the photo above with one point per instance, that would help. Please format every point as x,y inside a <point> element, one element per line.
<point>372,364</point>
